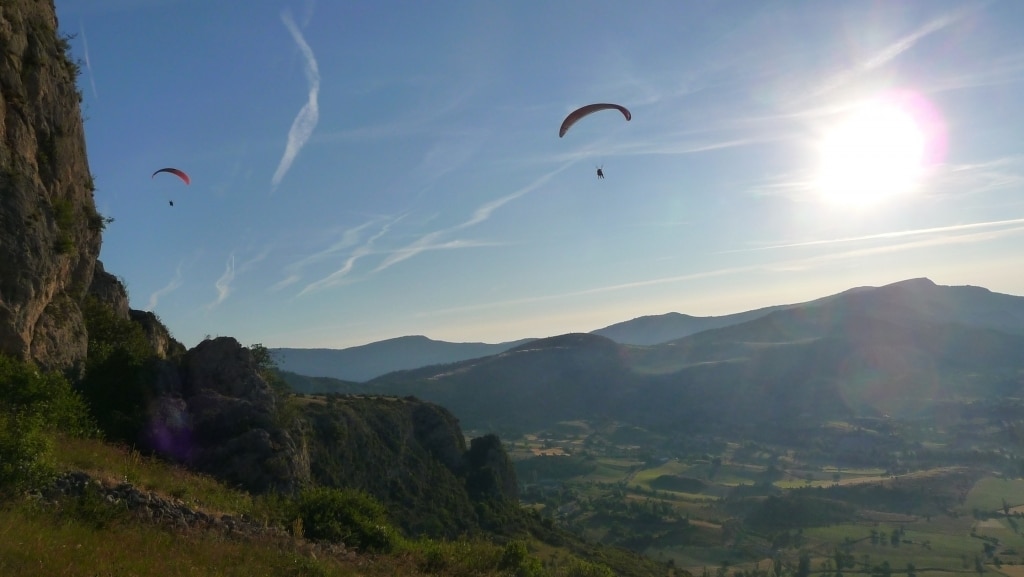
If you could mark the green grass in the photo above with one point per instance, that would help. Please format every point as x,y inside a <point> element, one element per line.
<point>40,542</point>
<point>610,470</point>
<point>988,494</point>
<point>121,464</point>
<point>645,476</point>
<point>75,539</point>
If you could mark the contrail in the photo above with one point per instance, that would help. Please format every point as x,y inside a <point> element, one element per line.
<point>305,122</point>
<point>894,234</point>
<point>88,65</point>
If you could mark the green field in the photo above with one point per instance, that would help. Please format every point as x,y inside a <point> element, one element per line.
<point>949,520</point>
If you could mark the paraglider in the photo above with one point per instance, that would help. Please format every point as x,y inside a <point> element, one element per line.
<point>579,113</point>
<point>600,171</point>
<point>176,172</point>
<point>179,173</point>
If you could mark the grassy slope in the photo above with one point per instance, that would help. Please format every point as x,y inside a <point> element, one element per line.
<point>72,540</point>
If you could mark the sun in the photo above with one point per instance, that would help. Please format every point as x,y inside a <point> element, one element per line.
<point>874,154</point>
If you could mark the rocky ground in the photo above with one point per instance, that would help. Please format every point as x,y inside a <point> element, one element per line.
<point>175,515</point>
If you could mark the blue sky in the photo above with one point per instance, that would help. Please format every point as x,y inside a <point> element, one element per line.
<point>363,170</point>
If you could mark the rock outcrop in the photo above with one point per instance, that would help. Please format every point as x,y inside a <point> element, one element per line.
<point>109,290</point>
<point>177,515</point>
<point>491,472</point>
<point>49,227</point>
<point>412,456</point>
<point>218,415</point>
<point>164,345</point>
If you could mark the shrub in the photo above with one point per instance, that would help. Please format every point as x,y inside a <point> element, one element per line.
<point>33,406</point>
<point>118,371</point>
<point>348,516</point>
<point>25,453</point>
<point>580,568</point>
<point>459,557</point>
<point>516,560</point>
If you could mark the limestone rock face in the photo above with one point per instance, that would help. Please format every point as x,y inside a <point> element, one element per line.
<point>491,472</point>
<point>164,345</point>
<point>110,290</point>
<point>232,428</point>
<point>49,227</point>
<point>439,433</point>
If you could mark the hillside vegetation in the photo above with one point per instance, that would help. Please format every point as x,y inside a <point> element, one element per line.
<point>75,505</point>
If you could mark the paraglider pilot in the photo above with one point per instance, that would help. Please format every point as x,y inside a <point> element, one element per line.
<point>600,172</point>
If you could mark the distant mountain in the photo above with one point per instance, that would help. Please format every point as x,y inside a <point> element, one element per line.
<point>655,329</point>
<point>965,304</point>
<point>901,349</point>
<point>372,360</point>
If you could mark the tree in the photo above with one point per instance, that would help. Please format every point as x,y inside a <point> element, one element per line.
<point>119,371</point>
<point>803,568</point>
<point>34,405</point>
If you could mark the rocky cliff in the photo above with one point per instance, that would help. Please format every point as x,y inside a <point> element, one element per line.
<point>411,455</point>
<point>49,227</point>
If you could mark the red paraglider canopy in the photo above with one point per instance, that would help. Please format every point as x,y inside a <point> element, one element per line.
<point>579,113</point>
<point>179,173</point>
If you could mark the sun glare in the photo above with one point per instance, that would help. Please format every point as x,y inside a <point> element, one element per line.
<point>873,155</point>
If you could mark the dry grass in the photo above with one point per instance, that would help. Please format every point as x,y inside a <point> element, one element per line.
<point>113,464</point>
<point>38,539</point>
<point>38,542</point>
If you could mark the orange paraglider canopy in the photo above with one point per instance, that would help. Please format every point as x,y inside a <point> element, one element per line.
<point>179,173</point>
<point>579,113</point>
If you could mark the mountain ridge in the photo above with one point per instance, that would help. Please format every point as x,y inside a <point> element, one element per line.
<point>366,362</point>
<point>868,351</point>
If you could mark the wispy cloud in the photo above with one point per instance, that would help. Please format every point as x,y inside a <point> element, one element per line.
<point>784,265</point>
<point>85,57</point>
<point>286,282</point>
<point>977,177</point>
<point>888,53</point>
<point>343,248</point>
<point>889,235</point>
<point>305,122</point>
<point>591,291</point>
<point>339,276</point>
<point>307,12</point>
<point>349,237</point>
<point>223,284</point>
<point>958,237</point>
<point>432,240</point>
<point>353,249</point>
<point>421,120</point>
<point>448,153</point>
<point>170,287</point>
<point>231,272</point>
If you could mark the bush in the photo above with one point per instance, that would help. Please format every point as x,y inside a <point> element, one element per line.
<point>348,516</point>
<point>33,406</point>
<point>580,568</point>
<point>118,372</point>
<point>516,560</point>
<point>47,396</point>
<point>25,453</point>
